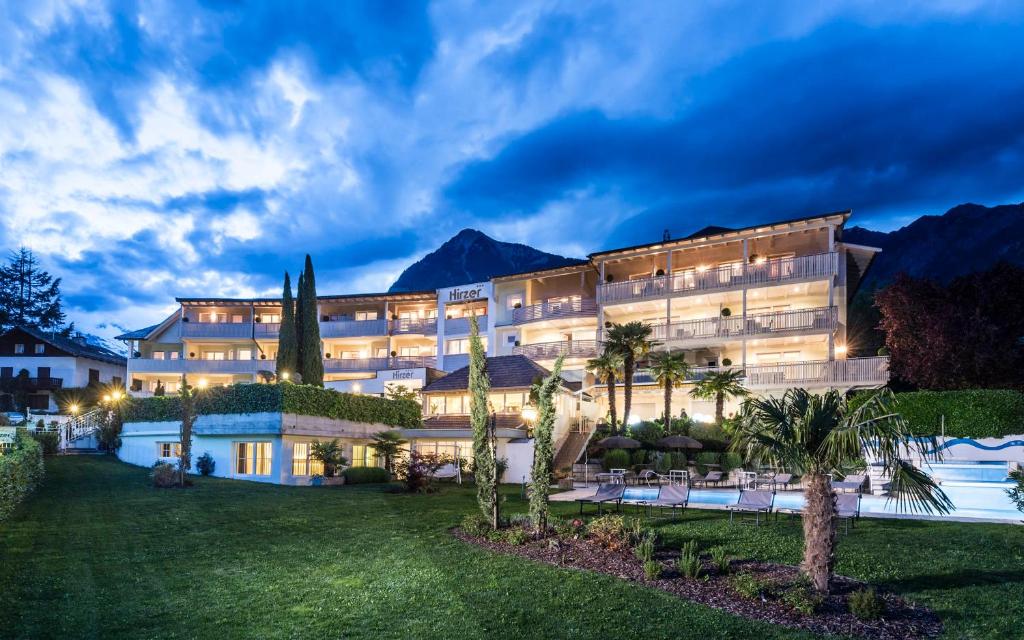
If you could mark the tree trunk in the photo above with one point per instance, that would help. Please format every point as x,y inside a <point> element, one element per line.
<point>719,408</point>
<point>627,399</point>
<point>612,411</point>
<point>493,443</point>
<point>668,407</point>
<point>819,531</point>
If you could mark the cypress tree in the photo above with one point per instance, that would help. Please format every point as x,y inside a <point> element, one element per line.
<point>543,448</point>
<point>288,347</point>
<point>312,364</point>
<point>485,469</point>
<point>300,293</point>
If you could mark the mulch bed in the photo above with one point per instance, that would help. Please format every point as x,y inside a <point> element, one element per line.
<point>902,620</point>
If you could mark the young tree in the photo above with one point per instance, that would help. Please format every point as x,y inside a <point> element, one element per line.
<point>388,445</point>
<point>670,370</point>
<point>288,347</point>
<point>632,341</point>
<point>299,306</point>
<point>818,435</point>
<point>484,455</point>
<point>188,418</point>
<point>543,447</point>
<point>607,367</point>
<point>718,385</point>
<point>330,453</point>
<point>29,295</point>
<point>312,364</point>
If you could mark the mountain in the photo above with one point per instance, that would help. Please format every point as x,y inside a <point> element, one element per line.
<point>965,239</point>
<point>472,256</point>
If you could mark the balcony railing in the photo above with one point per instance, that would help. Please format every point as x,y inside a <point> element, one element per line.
<point>724,277</point>
<point>353,328</point>
<point>551,310</point>
<point>179,366</point>
<point>336,365</point>
<point>551,350</point>
<point>216,329</point>
<point>267,329</point>
<point>422,326</point>
<point>457,326</point>
<point>759,324</point>
<point>33,384</point>
<point>849,372</point>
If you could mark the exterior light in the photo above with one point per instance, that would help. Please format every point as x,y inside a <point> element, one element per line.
<point>202,383</point>
<point>115,396</point>
<point>529,414</point>
<point>760,260</point>
<point>701,268</point>
<point>357,387</point>
<point>73,408</point>
<point>285,375</point>
<point>841,349</point>
<point>106,397</point>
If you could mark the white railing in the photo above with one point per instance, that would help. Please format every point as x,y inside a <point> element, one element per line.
<point>152,365</point>
<point>267,329</point>
<point>216,329</point>
<point>334,365</point>
<point>459,326</point>
<point>424,326</point>
<point>723,277</point>
<point>551,350</point>
<point>353,328</point>
<point>817,319</point>
<point>849,372</point>
<point>574,307</point>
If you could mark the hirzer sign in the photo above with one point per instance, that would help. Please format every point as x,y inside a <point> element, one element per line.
<point>466,293</point>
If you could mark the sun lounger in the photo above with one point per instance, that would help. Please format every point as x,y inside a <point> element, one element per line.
<point>775,481</point>
<point>672,496</point>
<point>848,509</point>
<point>605,493</point>
<point>854,482</point>
<point>652,478</point>
<point>755,502</point>
<point>712,477</point>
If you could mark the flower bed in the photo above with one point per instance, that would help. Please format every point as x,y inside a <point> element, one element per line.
<point>768,592</point>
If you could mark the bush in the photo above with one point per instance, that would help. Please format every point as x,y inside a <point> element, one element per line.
<point>417,469</point>
<point>802,597</point>
<point>164,475</point>
<point>639,457</point>
<point>365,475</point>
<point>711,435</point>
<point>652,569</point>
<point>1017,493</point>
<point>647,432</point>
<point>569,528</point>
<point>21,471</point>
<point>689,560</point>
<point>721,559</point>
<point>516,536</point>
<point>644,550</point>
<point>748,585</point>
<point>731,461</point>
<point>206,464</point>
<point>616,459</point>
<point>475,524</point>
<point>49,440</point>
<point>866,605</point>
<point>609,531</point>
<point>969,413</point>
<point>663,463</point>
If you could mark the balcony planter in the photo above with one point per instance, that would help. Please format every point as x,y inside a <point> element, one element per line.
<point>394,316</point>
<point>517,343</point>
<point>184,319</point>
<point>259,319</point>
<point>263,356</point>
<point>394,354</point>
<point>192,354</point>
<point>609,278</point>
<point>607,324</point>
<point>518,305</point>
<point>659,272</point>
<point>726,312</point>
<point>327,355</point>
<point>726,362</point>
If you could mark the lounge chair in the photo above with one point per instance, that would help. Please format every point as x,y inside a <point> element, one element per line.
<point>755,502</point>
<point>848,509</point>
<point>775,481</point>
<point>672,496</point>
<point>854,482</point>
<point>651,478</point>
<point>611,492</point>
<point>712,477</point>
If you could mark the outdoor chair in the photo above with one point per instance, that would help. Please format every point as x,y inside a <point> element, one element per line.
<point>850,482</point>
<point>611,492</point>
<point>672,496</point>
<point>848,509</point>
<point>652,478</point>
<point>752,502</point>
<point>775,481</point>
<point>447,472</point>
<point>711,477</point>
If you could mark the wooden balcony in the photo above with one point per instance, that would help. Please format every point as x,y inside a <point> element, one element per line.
<point>179,366</point>
<point>552,310</point>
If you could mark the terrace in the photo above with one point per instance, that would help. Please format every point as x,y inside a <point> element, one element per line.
<point>569,307</point>
<point>821,319</point>
<point>866,372</point>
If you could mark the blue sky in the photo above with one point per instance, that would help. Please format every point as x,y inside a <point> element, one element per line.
<point>154,149</point>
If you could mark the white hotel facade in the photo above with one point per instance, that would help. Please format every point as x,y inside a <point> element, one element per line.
<point>770,299</point>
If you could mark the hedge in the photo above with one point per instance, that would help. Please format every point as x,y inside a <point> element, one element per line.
<point>21,470</point>
<point>968,413</point>
<point>305,400</point>
<point>365,475</point>
<point>50,441</point>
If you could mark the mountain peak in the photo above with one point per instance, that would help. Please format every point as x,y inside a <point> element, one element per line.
<point>473,256</point>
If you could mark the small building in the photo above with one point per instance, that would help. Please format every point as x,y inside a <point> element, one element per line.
<point>446,424</point>
<point>40,363</point>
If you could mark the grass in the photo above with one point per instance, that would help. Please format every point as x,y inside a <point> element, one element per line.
<point>99,553</point>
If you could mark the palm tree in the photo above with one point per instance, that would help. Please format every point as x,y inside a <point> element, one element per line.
<point>718,385</point>
<point>818,435</point>
<point>632,341</point>
<point>328,452</point>
<point>607,367</point>
<point>670,370</point>
<point>388,444</point>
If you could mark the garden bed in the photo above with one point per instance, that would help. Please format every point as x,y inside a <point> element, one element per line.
<point>716,589</point>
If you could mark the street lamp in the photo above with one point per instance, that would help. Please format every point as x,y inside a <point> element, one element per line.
<point>202,383</point>
<point>285,375</point>
<point>529,414</point>
<point>115,396</point>
<point>106,397</point>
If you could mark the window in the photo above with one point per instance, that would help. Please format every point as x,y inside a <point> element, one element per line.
<point>350,355</point>
<point>252,458</point>
<point>94,376</point>
<point>168,449</point>
<point>514,299</point>
<point>39,402</point>
<point>364,456</point>
<point>213,355</point>
<point>237,318</point>
<point>409,352</point>
<point>158,355</point>
<point>270,318</point>
<point>461,345</point>
<point>173,355</point>
<point>209,316</point>
<point>170,387</point>
<point>6,372</point>
<point>245,354</point>
<point>365,315</point>
<point>453,404</point>
<point>19,348</point>
<point>447,448</point>
<point>302,463</point>
<point>40,348</point>
<point>43,372</point>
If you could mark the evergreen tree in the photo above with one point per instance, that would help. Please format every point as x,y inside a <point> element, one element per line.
<point>29,295</point>
<point>312,364</point>
<point>288,347</point>
<point>485,469</point>
<point>300,294</point>
<point>543,448</point>
<point>188,418</point>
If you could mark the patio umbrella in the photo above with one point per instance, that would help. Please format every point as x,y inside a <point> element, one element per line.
<point>619,442</point>
<point>679,442</point>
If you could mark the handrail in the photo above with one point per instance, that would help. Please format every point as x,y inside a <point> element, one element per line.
<point>574,307</point>
<point>820,318</point>
<point>551,350</point>
<point>871,370</point>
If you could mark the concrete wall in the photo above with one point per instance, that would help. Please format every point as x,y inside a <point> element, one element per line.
<point>520,459</point>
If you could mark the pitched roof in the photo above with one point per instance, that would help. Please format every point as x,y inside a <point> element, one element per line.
<point>505,372</point>
<point>77,348</point>
<point>138,334</point>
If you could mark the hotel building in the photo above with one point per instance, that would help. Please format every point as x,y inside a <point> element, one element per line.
<point>769,299</point>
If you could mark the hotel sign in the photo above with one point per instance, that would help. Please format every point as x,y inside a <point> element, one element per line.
<point>465,293</point>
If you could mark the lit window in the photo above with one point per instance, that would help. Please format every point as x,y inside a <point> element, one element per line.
<point>168,449</point>
<point>252,458</point>
<point>245,354</point>
<point>173,355</point>
<point>237,318</point>
<point>19,348</point>
<point>302,463</point>
<point>40,348</point>
<point>270,318</point>
<point>409,351</point>
<point>158,355</point>
<point>365,315</point>
<point>514,299</point>
<point>213,355</point>
<point>364,456</point>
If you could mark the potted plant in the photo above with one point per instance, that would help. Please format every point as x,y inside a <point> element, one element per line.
<point>726,362</point>
<point>609,278</point>
<point>394,354</point>
<point>726,312</point>
<point>659,273</point>
<point>329,453</point>
<point>518,305</point>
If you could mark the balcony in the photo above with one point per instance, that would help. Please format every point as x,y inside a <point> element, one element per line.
<point>418,326</point>
<point>178,366</point>
<point>353,328</point>
<point>726,277</point>
<point>267,330</point>
<point>852,372</point>
<point>571,308</point>
<point>551,350</point>
<point>460,326</point>
<point>32,384</point>
<point>342,365</point>
<point>820,319</point>
<point>216,330</point>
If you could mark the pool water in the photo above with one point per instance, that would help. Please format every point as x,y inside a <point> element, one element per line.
<point>968,471</point>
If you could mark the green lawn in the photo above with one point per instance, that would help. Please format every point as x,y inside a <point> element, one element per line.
<point>99,553</point>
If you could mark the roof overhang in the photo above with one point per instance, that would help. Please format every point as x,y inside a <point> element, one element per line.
<point>582,267</point>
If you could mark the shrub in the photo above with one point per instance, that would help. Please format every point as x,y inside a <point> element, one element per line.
<point>365,475</point>
<point>721,559</point>
<point>164,475</point>
<point>206,464</point>
<point>616,459</point>
<point>968,413</point>
<point>639,457</point>
<point>516,536</point>
<point>609,531</point>
<point>689,560</point>
<point>647,432</point>
<point>475,524</point>
<point>652,569</point>
<point>21,471</point>
<point>748,585</point>
<point>644,550</point>
<point>866,605</point>
<point>663,463</point>
<point>802,597</point>
<point>1017,493</point>
<point>417,469</point>
<point>569,528</point>
<point>49,441</point>
<point>731,461</point>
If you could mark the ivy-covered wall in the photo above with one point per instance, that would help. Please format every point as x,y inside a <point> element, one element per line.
<point>304,400</point>
<point>968,413</point>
